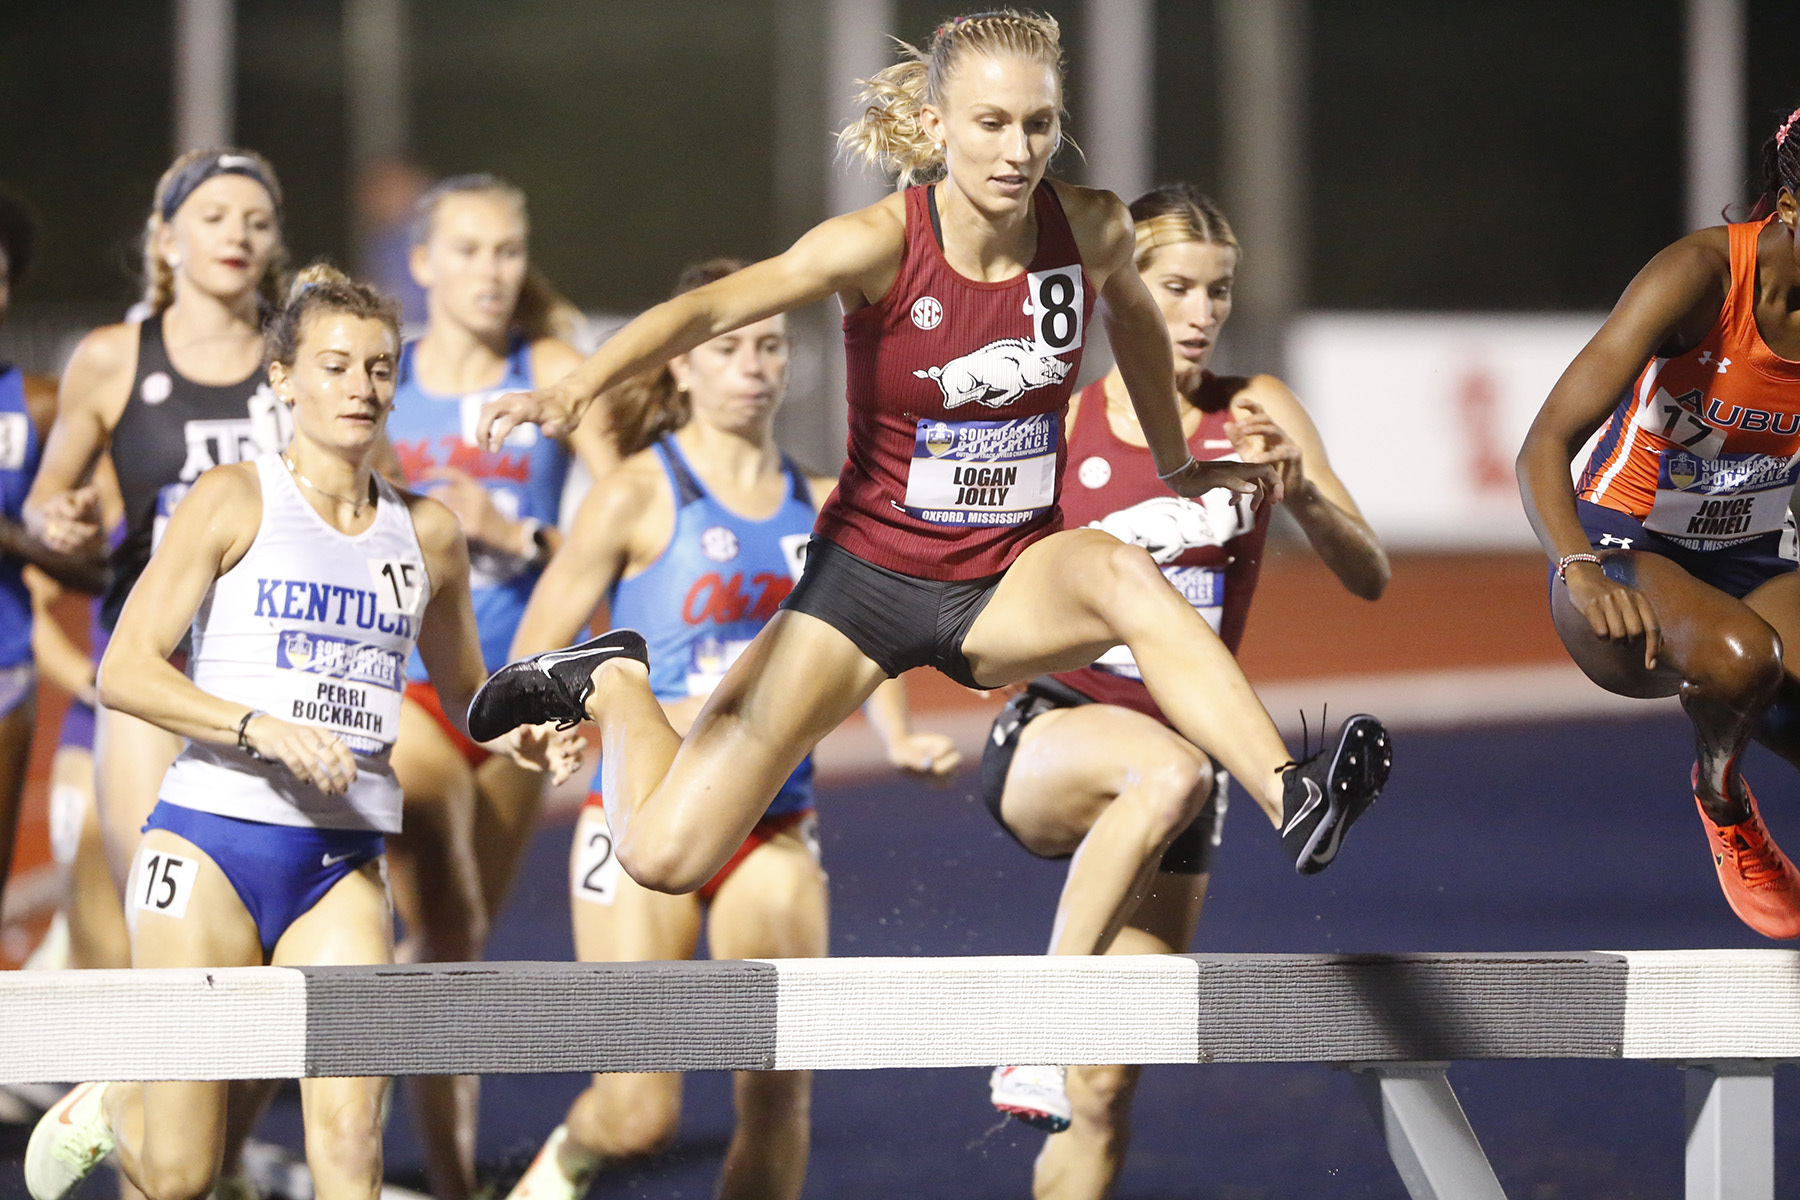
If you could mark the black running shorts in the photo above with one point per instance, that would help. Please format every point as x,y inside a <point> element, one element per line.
<point>899,621</point>
<point>1191,852</point>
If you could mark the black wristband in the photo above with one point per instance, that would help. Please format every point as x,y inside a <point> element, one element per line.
<point>243,727</point>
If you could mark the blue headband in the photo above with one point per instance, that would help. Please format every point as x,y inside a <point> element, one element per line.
<point>203,169</point>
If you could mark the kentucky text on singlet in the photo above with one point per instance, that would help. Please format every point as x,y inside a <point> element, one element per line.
<point>1210,549</point>
<point>171,431</point>
<point>312,626</point>
<point>1704,448</point>
<point>713,588</point>
<point>956,391</point>
<point>524,479</point>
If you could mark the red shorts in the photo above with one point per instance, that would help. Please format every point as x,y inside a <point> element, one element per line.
<point>426,697</point>
<point>766,830</point>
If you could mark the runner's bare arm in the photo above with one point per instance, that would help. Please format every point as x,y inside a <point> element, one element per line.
<point>1668,308</point>
<point>857,253</point>
<point>63,508</point>
<point>208,533</point>
<point>1269,424</point>
<point>591,560</point>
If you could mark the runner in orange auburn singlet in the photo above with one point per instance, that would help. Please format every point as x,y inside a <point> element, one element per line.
<point>1674,550</point>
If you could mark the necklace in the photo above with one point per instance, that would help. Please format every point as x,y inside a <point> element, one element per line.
<point>356,506</point>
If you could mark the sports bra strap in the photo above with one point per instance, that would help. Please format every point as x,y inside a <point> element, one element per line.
<point>802,486</point>
<point>687,487</point>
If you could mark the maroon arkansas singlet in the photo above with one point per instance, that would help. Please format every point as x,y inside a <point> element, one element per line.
<point>1210,549</point>
<point>956,391</point>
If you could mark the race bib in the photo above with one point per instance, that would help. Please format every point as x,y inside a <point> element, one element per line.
<point>399,586</point>
<point>709,658</point>
<point>1721,500</point>
<point>1056,306</point>
<point>595,877</point>
<point>15,438</point>
<point>351,688</point>
<point>162,882</point>
<point>1202,587</point>
<point>983,472</point>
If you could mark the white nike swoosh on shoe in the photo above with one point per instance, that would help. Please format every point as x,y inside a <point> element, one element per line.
<point>333,860</point>
<point>1324,854</point>
<point>544,662</point>
<point>1314,798</point>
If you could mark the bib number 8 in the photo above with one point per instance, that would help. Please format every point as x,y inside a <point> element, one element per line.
<point>1056,305</point>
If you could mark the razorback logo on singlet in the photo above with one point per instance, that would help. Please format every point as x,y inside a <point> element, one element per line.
<point>1002,371</point>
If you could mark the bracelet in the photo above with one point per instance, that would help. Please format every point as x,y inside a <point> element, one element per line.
<point>1567,560</point>
<point>1166,476</point>
<point>532,542</point>
<point>243,727</point>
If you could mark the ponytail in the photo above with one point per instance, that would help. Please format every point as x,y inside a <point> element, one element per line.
<point>648,407</point>
<point>888,134</point>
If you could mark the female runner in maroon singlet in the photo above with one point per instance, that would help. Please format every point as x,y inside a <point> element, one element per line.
<point>1084,764</point>
<point>967,303</point>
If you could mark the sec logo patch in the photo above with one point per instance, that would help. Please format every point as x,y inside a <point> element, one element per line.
<point>1094,472</point>
<point>927,313</point>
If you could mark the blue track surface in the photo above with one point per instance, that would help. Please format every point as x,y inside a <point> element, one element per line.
<point>1578,836</point>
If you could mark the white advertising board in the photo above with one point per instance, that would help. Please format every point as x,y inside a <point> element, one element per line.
<point>1423,414</point>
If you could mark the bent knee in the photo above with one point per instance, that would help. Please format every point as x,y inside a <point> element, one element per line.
<point>1173,785</point>
<point>174,1177</point>
<point>1101,1096</point>
<point>1744,658</point>
<point>635,1123</point>
<point>669,869</point>
<point>348,1135</point>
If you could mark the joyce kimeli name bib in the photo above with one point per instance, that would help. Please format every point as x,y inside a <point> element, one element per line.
<point>1709,502</point>
<point>983,472</point>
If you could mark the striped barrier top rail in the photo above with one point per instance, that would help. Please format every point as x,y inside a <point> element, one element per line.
<point>852,1013</point>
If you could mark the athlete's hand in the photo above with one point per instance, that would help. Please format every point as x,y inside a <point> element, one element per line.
<point>1615,612</point>
<point>555,409</point>
<point>1239,478</point>
<point>555,752</point>
<point>68,521</point>
<point>925,755</point>
<point>473,504</point>
<point>1258,439</point>
<point>316,756</point>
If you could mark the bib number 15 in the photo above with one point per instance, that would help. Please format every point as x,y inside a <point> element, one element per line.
<point>1056,308</point>
<point>163,882</point>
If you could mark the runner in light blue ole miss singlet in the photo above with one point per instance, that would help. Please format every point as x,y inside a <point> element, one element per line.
<point>696,540</point>
<point>718,583</point>
<point>491,329</point>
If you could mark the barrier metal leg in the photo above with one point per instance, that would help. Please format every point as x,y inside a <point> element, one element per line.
<point>1428,1136</point>
<point>1730,1130</point>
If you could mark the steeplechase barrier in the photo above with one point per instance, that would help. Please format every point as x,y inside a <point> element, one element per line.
<point>1395,1021</point>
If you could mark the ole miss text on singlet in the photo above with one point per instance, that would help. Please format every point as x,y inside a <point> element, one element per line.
<point>1704,449</point>
<point>956,392</point>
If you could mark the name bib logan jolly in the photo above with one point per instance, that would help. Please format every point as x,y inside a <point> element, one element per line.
<point>983,472</point>
<point>1724,499</point>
